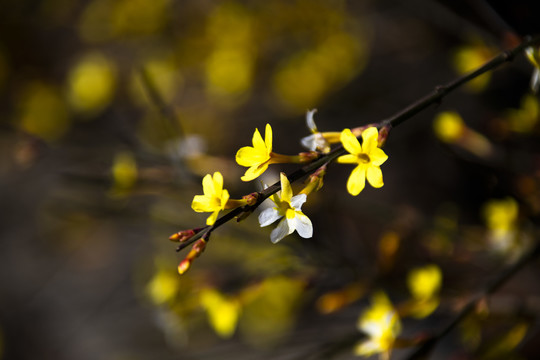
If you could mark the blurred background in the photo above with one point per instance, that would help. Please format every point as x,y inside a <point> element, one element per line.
<point>112,111</point>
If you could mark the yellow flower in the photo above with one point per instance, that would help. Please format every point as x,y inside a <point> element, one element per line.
<point>258,156</point>
<point>368,156</point>
<point>381,324</point>
<point>501,219</point>
<point>288,207</point>
<point>214,199</point>
<point>424,284</point>
<point>223,311</point>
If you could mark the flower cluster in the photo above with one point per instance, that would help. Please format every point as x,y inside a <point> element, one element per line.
<point>367,156</point>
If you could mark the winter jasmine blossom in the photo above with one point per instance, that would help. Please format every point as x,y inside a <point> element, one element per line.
<point>381,324</point>
<point>215,198</point>
<point>288,207</point>
<point>368,156</point>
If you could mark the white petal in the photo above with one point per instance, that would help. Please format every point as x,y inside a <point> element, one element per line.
<point>280,231</point>
<point>303,225</point>
<point>309,142</point>
<point>268,216</point>
<point>309,120</point>
<point>298,200</point>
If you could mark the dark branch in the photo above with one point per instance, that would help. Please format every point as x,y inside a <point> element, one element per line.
<point>434,97</point>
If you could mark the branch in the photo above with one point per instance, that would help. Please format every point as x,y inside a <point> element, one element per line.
<point>505,275</point>
<point>434,97</point>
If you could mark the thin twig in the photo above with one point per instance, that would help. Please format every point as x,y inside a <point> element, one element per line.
<point>434,97</point>
<point>423,350</point>
<point>155,98</point>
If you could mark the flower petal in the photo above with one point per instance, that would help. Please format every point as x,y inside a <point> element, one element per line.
<point>309,120</point>
<point>309,142</point>
<point>202,203</point>
<point>249,156</point>
<point>370,139</point>
<point>254,172</point>
<point>374,176</point>
<point>286,190</point>
<point>303,225</point>
<point>298,200</point>
<point>257,140</point>
<point>357,180</point>
<point>208,185</point>
<point>348,159</point>
<point>212,218</point>
<point>350,142</point>
<point>268,216</point>
<point>366,348</point>
<point>378,157</point>
<point>218,183</point>
<point>280,231</point>
<point>268,139</point>
<point>224,198</point>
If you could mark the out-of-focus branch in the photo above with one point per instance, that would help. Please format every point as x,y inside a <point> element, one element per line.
<point>425,348</point>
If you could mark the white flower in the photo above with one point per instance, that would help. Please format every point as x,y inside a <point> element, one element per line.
<point>317,141</point>
<point>287,207</point>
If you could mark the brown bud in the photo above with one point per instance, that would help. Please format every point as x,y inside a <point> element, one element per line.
<point>308,156</point>
<point>182,236</point>
<point>184,266</point>
<point>383,135</point>
<point>252,198</point>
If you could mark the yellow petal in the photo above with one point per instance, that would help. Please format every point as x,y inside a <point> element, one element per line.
<point>254,172</point>
<point>224,199</point>
<point>374,176</point>
<point>258,142</point>
<point>350,142</point>
<point>348,159</point>
<point>212,218</point>
<point>378,157</point>
<point>357,180</point>
<point>249,156</point>
<point>202,203</point>
<point>286,190</point>
<point>208,186</point>
<point>268,138</point>
<point>218,183</point>
<point>370,140</point>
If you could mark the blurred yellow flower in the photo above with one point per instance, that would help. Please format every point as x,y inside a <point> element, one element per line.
<point>470,57</point>
<point>381,324</point>
<point>124,173</point>
<point>43,111</point>
<point>525,118</point>
<point>368,156</point>
<point>448,126</point>
<point>214,199</point>
<point>258,156</point>
<point>163,287</point>
<point>501,220</point>
<point>92,83</point>
<point>223,312</point>
<point>424,284</point>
